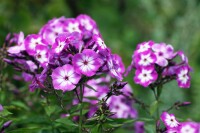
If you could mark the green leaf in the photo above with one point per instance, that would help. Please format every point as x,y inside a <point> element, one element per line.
<point>25,130</point>
<point>67,122</point>
<point>159,90</point>
<point>95,129</point>
<point>145,119</point>
<point>153,107</point>
<point>90,87</point>
<point>5,112</point>
<point>121,120</point>
<point>50,109</point>
<point>20,104</point>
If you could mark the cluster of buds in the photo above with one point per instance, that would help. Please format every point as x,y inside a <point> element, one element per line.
<point>155,63</point>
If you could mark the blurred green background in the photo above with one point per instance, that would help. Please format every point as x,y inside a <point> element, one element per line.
<point>123,24</point>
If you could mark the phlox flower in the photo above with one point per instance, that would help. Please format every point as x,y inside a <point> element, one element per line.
<point>31,41</point>
<point>86,63</point>
<point>119,107</point>
<point>65,78</point>
<point>145,46</point>
<point>42,55</point>
<point>86,22</point>
<point>169,120</point>
<point>60,43</point>
<point>19,40</point>
<point>183,77</point>
<point>115,66</point>
<point>145,75</point>
<point>189,127</point>
<point>146,58</point>
<point>72,25</point>
<point>163,52</point>
<point>99,43</point>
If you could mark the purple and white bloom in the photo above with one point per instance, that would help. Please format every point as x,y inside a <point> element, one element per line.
<point>118,106</point>
<point>65,78</point>
<point>31,41</point>
<point>72,25</point>
<point>146,58</point>
<point>145,46</point>
<point>19,40</point>
<point>163,53</point>
<point>115,66</point>
<point>169,120</point>
<point>87,62</point>
<point>86,22</point>
<point>145,75</point>
<point>60,43</point>
<point>183,77</point>
<point>99,42</point>
<point>51,32</point>
<point>183,57</point>
<point>189,127</point>
<point>42,55</point>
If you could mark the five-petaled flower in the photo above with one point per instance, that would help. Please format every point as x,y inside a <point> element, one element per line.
<point>183,77</point>
<point>169,120</point>
<point>86,63</point>
<point>145,76</point>
<point>65,78</point>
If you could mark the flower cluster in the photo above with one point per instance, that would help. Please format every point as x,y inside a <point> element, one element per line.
<point>157,62</point>
<point>69,49</point>
<point>173,126</point>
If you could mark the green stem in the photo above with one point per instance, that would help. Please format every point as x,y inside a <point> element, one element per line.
<point>80,116</point>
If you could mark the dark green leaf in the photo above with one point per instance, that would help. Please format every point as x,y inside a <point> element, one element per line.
<point>153,107</point>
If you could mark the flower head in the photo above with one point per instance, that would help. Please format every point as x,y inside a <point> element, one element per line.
<point>145,76</point>
<point>65,78</point>
<point>169,120</point>
<point>31,41</point>
<point>183,77</point>
<point>86,63</point>
<point>146,58</point>
<point>189,127</point>
<point>163,52</point>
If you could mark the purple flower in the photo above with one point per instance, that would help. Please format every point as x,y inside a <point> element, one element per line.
<point>41,54</point>
<point>145,46</point>
<point>145,75</point>
<point>163,52</point>
<point>31,41</point>
<point>139,127</point>
<point>146,58</point>
<point>115,66</point>
<point>72,25</point>
<point>86,22</point>
<point>169,120</point>
<point>19,40</point>
<point>189,127</point>
<point>183,77</point>
<point>65,78</point>
<point>120,108</point>
<point>60,43</point>
<point>99,43</point>
<point>86,63</point>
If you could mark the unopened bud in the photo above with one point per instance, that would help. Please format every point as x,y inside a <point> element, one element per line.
<point>1,108</point>
<point>7,124</point>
